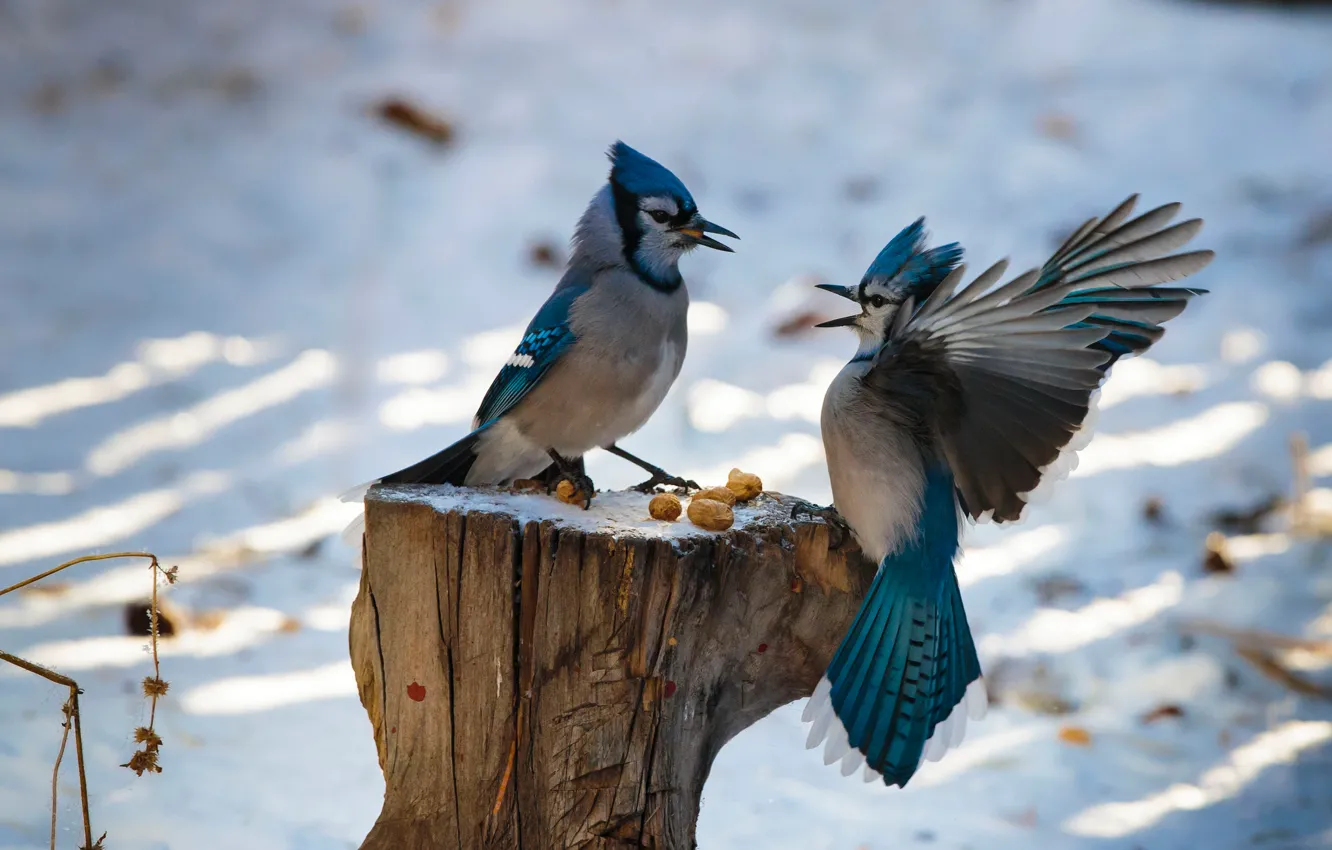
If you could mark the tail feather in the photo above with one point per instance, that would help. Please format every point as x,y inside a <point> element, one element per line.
<point>906,676</point>
<point>900,688</point>
<point>448,466</point>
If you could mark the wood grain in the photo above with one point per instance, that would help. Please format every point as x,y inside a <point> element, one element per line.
<point>541,686</point>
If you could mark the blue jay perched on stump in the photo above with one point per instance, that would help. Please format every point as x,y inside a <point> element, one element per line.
<point>959,400</point>
<point>601,353</point>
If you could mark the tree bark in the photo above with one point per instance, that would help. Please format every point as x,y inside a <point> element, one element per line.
<point>566,681</point>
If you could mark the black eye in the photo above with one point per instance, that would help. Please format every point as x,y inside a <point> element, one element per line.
<point>659,216</point>
<point>877,301</point>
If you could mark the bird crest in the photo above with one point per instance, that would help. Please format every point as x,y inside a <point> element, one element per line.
<point>643,176</point>
<point>905,266</point>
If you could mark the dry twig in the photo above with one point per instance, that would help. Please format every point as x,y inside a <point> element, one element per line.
<point>1260,650</point>
<point>1271,667</point>
<point>154,686</point>
<point>1256,639</point>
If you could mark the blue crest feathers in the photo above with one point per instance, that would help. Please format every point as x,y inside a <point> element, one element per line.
<point>898,250</point>
<point>644,176</point>
<point>917,272</point>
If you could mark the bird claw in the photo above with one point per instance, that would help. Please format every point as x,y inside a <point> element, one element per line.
<point>660,477</point>
<point>572,471</point>
<point>583,488</point>
<point>838,529</point>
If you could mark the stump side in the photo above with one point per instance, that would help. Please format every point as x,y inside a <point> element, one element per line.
<point>537,685</point>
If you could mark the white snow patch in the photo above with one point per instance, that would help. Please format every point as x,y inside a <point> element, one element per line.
<point>1278,380</point>
<point>413,367</point>
<point>1240,345</point>
<point>706,318</point>
<point>1135,377</point>
<point>190,427</point>
<point>1054,630</point>
<point>1225,780</point>
<point>250,694</point>
<point>715,406</point>
<point>1210,433</point>
<point>105,524</point>
<point>621,513</point>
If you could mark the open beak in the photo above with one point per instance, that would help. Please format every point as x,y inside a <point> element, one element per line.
<point>846,292</point>
<point>696,229</point>
<point>839,323</point>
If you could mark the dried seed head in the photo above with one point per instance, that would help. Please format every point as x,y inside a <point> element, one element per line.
<point>143,760</point>
<point>665,506</point>
<point>155,687</point>
<point>144,735</point>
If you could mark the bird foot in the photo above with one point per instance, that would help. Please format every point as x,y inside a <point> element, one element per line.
<point>838,529</point>
<point>660,477</point>
<point>579,490</point>
<point>569,483</point>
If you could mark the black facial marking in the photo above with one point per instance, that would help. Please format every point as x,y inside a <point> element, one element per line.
<point>626,213</point>
<point>686,212</point>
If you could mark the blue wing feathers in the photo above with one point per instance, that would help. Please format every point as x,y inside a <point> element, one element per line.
<point>547,337</point>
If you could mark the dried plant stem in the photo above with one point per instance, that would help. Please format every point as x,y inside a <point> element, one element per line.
<point>107,557</point>
<point>77,720</point>
<point>1299,456</point>
<point>71,711</point>
<point>157,669</point>
<point>1257,639</point>
<point>55,772</point>
<point>1271,667</point>
<point>153,688</point>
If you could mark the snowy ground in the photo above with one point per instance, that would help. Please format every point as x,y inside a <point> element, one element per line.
<point>227,292</point>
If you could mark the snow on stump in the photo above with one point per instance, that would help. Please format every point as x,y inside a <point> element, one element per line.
<point>542,677</point>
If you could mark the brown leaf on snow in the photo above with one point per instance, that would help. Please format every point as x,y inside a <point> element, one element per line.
<point>1075,736</point>
<point>1163,711</point>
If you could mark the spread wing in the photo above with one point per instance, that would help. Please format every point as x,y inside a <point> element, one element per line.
<point>547,337</point>
<point>1114,259</point>
<point>1000,379</point>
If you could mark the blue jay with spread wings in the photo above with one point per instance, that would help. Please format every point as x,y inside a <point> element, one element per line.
<point>958,402</point>
<point>601,353</point>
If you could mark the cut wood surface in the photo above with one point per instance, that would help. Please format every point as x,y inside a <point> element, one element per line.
<point>542,677</point>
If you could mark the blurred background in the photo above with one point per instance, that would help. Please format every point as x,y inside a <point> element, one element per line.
<point>254,253</point>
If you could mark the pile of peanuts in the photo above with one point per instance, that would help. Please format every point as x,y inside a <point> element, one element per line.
<point>711,507</point>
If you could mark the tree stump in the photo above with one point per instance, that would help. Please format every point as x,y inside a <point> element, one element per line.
<point>541,677</point>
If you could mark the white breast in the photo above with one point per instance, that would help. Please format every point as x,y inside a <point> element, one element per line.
<point>876,474</point>
<point>657,386</point>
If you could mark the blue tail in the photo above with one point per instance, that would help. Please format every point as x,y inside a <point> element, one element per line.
<point>449,466</point>
<point>909,657</point>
